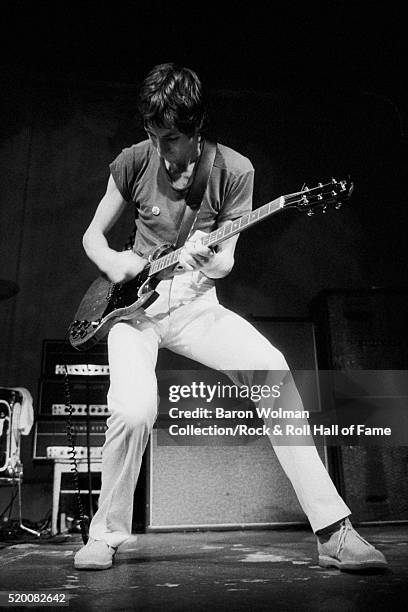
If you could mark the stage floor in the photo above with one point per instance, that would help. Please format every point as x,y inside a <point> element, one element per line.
<point>235,571</point>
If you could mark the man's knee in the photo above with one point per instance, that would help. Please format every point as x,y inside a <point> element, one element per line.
<point>268,368</point>
<point>270,359</point>
<point>134,411</point>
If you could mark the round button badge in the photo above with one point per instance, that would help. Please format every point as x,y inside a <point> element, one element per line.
<point>156,210</point>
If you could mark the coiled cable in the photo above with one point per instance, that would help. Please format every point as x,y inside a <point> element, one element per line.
<point>82,517</point>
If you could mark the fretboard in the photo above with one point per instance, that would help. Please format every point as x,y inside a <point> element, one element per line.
<point>223,233</point>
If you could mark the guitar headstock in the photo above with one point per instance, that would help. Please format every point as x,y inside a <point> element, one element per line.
<point>319,198</point>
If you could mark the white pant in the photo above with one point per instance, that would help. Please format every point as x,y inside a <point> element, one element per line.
<point>188,319</point>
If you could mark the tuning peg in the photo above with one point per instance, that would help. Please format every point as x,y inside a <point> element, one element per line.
<point>334,181</point>
<point>338,205</point>
<point>310,212</point>
<point>324,208</point>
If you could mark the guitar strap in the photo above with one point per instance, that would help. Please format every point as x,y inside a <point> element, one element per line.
<point>197,191</point>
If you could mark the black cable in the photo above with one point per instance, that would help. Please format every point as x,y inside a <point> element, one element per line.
<point>82,518</point>
<point>10,504</point>
<point>44,523</point>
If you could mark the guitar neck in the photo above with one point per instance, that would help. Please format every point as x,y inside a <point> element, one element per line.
<point>225,232</point>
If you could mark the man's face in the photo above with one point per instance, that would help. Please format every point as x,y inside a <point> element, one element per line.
<point>175,147</point>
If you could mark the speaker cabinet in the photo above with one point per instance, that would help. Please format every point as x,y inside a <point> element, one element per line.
<point>225,483</point>
<point>361,331</point>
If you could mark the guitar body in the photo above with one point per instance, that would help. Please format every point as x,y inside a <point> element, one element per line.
<point>105,303</point>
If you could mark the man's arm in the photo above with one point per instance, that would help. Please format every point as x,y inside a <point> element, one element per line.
<point>117,266</point>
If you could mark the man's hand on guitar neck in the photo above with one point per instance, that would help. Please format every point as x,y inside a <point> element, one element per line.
<point>196,256</point>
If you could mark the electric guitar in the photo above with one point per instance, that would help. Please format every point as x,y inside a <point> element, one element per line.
<point>105,302</point>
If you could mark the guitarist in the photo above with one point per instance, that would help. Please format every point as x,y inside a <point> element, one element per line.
<point>155,175</point>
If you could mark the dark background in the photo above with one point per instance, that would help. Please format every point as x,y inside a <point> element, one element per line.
<point>306,93</point>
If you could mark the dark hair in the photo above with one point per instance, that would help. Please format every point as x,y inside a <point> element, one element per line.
<point>171,96</point>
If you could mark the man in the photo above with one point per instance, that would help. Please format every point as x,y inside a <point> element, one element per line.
<point>156,175</point>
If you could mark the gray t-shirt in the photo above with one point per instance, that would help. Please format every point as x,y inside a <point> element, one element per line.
<point>142,180</point>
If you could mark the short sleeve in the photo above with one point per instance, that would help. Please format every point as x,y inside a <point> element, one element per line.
<point>238,199</point>
<point>123,172</point>
<point>129,167</point>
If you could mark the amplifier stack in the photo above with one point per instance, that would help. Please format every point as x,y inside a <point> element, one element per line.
<point>88,378</point>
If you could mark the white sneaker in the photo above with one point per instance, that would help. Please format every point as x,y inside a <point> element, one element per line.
<point>96,555</point>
